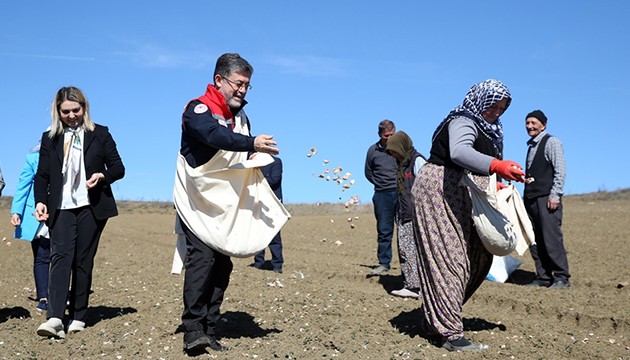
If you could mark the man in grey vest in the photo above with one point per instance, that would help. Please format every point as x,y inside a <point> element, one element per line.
<point>545,175</point>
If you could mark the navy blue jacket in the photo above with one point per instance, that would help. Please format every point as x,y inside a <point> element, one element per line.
<point>203,136</point>
<point>273,174</point>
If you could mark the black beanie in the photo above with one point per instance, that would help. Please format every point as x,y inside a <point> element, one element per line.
<point>538,115</point>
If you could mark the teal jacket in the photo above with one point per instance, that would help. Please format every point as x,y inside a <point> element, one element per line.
<point>24,199</point>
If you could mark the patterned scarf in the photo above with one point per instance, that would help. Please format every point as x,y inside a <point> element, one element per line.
<point>480,97</point>
<point>73,152</point>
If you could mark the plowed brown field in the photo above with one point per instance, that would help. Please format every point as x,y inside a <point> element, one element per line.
<point>323,305</point>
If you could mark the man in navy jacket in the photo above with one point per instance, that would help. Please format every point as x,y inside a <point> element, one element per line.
<point>273,174</point>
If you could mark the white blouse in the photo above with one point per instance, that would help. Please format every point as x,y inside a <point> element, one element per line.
<point>81,195</point>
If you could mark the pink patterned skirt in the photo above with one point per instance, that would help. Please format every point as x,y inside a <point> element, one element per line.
<point>453,261</point>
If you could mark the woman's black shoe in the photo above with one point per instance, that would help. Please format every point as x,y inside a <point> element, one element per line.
<point>215,345</point>
<point>463,344</point>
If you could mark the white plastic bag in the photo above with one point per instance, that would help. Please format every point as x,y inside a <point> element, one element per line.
<point>502,267</point>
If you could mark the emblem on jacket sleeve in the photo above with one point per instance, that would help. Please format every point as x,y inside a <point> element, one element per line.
<point>201,108</point>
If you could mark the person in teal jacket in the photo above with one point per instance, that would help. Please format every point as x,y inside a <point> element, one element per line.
<point>29,229</point>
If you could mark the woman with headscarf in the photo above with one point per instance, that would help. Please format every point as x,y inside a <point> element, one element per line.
<point>453,260</point>
<point>400,146</point>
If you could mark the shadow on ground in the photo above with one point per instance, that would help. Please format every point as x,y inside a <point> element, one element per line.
<point>99,313</point>
<point>236,325</point>
<point>521,277</point>
<point>408,323</point>
<point>16,312</point>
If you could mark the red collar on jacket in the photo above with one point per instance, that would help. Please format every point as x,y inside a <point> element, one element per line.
<point>216,102</point>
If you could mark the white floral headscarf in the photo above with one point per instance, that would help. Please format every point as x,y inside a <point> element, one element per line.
<point>479,98</point>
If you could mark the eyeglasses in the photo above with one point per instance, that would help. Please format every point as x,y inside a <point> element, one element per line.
<point>238,85</point>
<point>74,111</point>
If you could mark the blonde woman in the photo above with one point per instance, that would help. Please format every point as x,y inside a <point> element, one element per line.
<point>78,161</point>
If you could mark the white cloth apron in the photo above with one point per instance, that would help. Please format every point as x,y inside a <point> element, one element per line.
<point>512,206</point>
<point>227,202</point>
<point>180,248</point>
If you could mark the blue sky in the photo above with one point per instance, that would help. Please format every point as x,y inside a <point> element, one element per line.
<point>326,72</point>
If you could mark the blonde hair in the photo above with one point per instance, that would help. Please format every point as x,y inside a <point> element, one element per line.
<point>69,93</point>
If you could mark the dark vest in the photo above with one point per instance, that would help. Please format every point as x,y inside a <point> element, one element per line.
<point>542,172</point>
<point>440,148</point>
<point>405,202</point>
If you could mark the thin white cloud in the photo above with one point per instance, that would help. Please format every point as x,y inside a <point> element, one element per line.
<point>49,56</point>
<point>308,65</point>
<point>158,56</point>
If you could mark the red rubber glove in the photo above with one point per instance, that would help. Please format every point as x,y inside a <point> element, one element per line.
<point>507,169</point>
<point>500,186</point>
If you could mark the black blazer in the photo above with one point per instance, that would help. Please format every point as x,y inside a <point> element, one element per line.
<point>99,154</point>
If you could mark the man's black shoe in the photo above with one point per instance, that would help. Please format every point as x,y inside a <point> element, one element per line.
<point>560,284</point>
<point>196,340</point>
<point>539,283</point>
<point>215,345</point>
